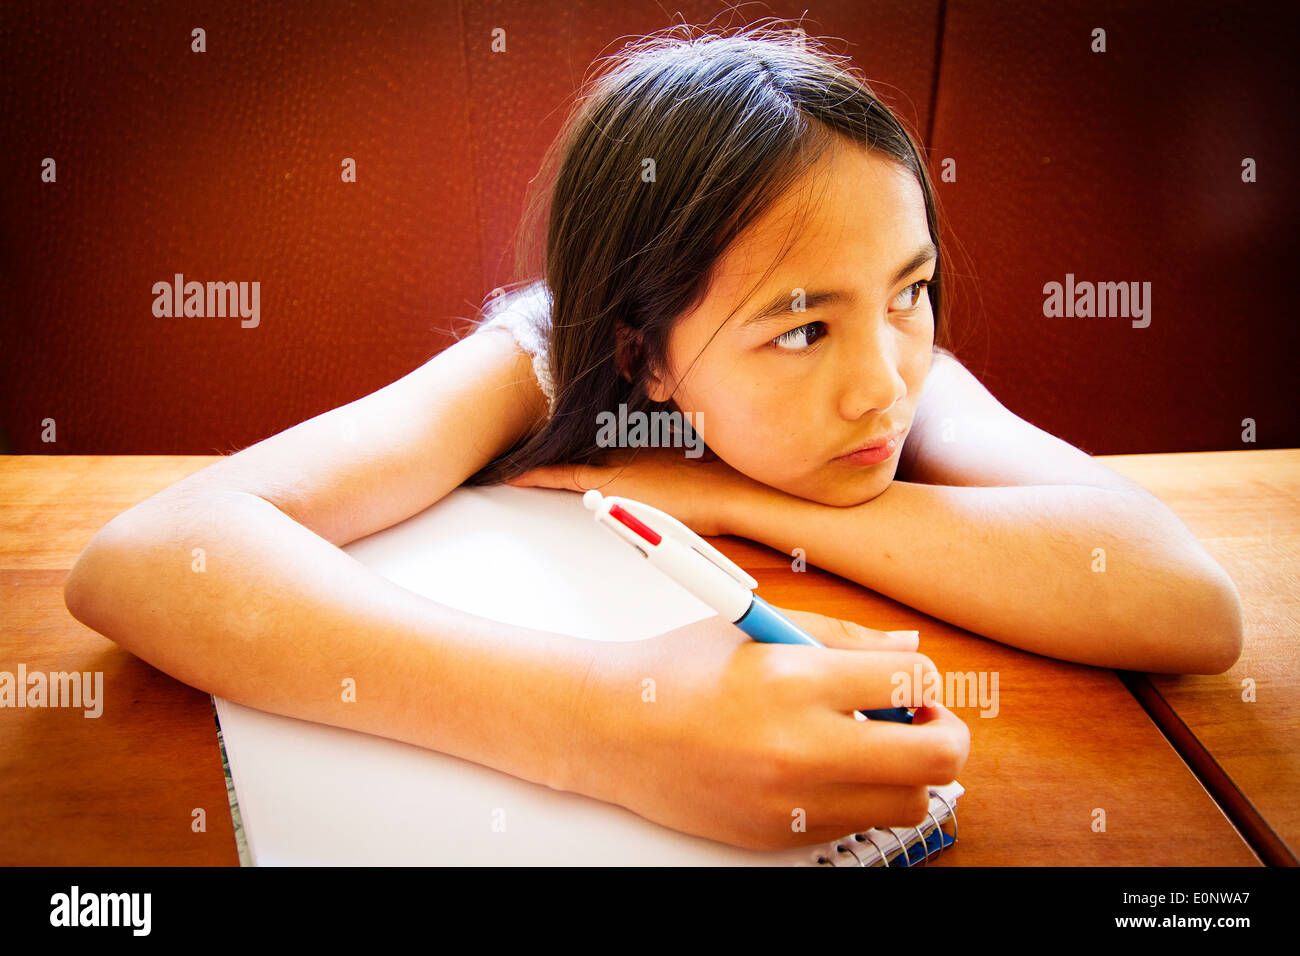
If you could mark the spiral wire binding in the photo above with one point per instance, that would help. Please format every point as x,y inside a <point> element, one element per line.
<point>826,856</point>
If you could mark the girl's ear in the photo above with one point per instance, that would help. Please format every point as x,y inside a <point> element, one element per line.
<point>656,390</point>
<point>627,354</point>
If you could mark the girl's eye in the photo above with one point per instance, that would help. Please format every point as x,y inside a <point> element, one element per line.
<point>796,340</point>
<point>919,287</point>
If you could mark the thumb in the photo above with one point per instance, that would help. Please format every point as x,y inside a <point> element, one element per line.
<point>850,636</point>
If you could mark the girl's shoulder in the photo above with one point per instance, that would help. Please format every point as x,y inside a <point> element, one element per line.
<point>507,356</point>
<point>526,308</point>
<point>526,315</point>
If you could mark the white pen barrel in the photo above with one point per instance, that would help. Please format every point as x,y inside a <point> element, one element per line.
<point>704,579</point>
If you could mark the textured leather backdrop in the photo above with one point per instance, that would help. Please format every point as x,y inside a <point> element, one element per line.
<point>1126,166</point>
<point>225,166</point>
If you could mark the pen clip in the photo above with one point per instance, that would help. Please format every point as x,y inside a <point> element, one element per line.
<point>666,524</point>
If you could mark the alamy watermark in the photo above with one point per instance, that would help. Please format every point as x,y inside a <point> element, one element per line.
<point>75,908</point>
<point>657,429</point>
<point>953,689</point>
<point>1085,300</point>
<point>56,689</point>
<point>178,298</point>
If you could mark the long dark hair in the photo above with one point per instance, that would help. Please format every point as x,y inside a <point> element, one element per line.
<point>731,120</point>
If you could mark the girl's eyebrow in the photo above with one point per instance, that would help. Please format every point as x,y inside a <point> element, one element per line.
<point>779,305</point>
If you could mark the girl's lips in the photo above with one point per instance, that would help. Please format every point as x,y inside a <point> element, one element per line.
<point>875,454</point>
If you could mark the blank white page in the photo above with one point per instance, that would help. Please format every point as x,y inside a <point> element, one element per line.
<point>311,794</point>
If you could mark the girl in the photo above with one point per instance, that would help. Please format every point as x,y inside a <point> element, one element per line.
<point>740,231</point>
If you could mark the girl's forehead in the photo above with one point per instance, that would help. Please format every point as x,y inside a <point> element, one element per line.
<point>855,211</point>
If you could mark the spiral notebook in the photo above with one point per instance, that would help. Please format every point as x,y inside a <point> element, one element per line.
<point>304,793</point>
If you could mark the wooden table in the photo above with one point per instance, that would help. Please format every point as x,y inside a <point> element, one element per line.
<point>1067,740</point>
<point>120,789</point>
<point>1245,508</point>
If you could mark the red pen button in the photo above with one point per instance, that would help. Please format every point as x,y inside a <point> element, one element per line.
<point>630,520</point>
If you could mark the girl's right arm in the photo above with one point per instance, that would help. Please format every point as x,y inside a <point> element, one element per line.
<point>272,614</point>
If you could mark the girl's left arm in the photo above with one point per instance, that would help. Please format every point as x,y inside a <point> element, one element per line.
<point>1087,574</point>
<point>1009,532</point>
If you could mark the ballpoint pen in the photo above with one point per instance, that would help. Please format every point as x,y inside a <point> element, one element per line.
<point>707,573</point>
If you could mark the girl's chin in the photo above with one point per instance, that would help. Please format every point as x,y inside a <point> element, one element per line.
<point>871,483</point>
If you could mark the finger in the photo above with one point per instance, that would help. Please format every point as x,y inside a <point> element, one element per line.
<point>840,680</point>
<point>855,808</point>
<point>929,752</point>
<point>542,476</point>
<point>829,811</point>
<point>549,476</point>
<point>867,679</point>
<point>848,635</point>
<point>583,477</point>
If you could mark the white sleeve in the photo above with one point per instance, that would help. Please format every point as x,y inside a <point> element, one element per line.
<point>532,335</point>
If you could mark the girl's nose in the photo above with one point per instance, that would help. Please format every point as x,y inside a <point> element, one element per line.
<point>871,383</point>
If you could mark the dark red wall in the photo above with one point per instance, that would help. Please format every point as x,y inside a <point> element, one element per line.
<point>224,166</point>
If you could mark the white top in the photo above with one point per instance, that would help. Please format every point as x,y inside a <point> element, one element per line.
<point>528,319</point>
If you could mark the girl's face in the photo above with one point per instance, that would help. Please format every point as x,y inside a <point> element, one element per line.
<point>782,397</point>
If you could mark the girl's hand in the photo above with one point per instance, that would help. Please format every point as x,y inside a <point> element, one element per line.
<point>706,731</point>
<point>702,493</point>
